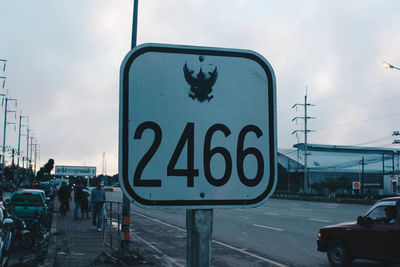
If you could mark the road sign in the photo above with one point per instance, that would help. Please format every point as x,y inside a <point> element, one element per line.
<point>356,185</point>
<point>75,171</point>
<point>197,127</point>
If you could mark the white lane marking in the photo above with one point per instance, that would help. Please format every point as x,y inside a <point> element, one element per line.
<point>217,242</point>
<point>270,213</point>
<point>301,209</point>
<point>244,217</point>
<point>250,254</point>
<point>159,251</point>
<point>115,225</point>
<point>239,209</point>
<point>319,220</point>
<point>164,223</point>
<point>267,227</point>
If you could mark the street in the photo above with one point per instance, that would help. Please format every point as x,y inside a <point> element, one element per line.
<point>277,233</point>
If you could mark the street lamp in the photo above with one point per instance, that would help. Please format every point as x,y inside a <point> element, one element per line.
<point>389,66</point>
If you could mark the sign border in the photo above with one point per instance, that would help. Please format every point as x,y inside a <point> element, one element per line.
<point>124,127</point>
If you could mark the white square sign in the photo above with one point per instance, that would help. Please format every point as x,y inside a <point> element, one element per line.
<point>197,127</point>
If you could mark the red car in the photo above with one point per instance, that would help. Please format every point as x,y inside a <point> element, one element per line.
<point>375,236</point>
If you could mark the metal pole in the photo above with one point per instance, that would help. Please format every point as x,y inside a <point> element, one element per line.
<point>306,182</point>
<point>126,207</point>
<point>30,158</point>
<point>19,140</point>
<point>27,147</point>
<point>199,224</point>
<point>4,143</point>
<point>362,176</point>
<point>35,159</point>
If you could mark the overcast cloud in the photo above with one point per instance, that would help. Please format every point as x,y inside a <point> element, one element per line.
<point>64,59</point>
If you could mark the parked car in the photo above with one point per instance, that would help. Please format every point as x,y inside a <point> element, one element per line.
<point>27,202</point>
<point>9,187</point>
<point>108,188</point>
<point>374,236</point>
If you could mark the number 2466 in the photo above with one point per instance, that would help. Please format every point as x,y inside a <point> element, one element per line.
<point>190,172</point>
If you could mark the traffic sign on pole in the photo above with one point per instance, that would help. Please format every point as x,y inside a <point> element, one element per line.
<point>197,127</point>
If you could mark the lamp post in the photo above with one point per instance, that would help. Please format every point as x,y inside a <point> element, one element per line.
<point>389,66</point>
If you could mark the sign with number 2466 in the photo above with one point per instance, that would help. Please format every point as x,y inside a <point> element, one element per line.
<point>197,127</point>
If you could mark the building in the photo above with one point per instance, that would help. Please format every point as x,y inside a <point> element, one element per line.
<point>371,166</point>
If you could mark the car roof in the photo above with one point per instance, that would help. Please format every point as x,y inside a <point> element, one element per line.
<point>390,199</point>
<point>34,191</point>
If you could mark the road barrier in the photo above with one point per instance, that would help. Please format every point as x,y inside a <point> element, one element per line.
<point>112,226</point>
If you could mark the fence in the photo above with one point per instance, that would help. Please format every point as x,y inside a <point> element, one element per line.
<point>112,224</point>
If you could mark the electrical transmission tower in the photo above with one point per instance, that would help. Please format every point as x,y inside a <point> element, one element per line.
<point>305,131</point>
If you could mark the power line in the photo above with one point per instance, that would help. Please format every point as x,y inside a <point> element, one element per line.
<point>362,105</point>
<point>359,90</point>
<point>358,122</point>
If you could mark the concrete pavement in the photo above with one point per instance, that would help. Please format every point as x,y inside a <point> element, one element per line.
<point>76,243</point>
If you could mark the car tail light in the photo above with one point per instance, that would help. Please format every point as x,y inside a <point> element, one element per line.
<point>319,235</point>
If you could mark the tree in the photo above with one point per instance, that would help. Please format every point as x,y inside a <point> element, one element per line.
<point>44,173</point>
<point>331,184</point>
<point>344,183</point>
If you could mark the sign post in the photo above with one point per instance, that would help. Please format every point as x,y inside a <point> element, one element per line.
<point>198,132</point>
<point>199,237</point>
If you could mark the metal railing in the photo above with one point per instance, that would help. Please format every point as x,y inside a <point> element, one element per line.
<point>112,224</point>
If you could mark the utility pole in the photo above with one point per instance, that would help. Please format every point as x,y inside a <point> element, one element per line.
<point>305,131</point>
<point>362,175</point>
<point>4,61</point>
<point>4,135</point>
<point>126,205</point>
<point>27,147</point>
<point>30,158</point>
<point>19,137</point>
<point>34,169</point>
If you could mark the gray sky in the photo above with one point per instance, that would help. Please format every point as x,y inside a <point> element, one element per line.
<point>64,59</point>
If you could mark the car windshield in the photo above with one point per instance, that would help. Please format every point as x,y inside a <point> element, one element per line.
<point>26,198</point>
<point>380,204</point>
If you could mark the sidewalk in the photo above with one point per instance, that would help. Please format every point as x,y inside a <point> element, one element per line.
<point>76,243</point>
<point>73,242</point>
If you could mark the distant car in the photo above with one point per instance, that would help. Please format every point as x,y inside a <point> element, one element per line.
<point>109,188</point>
<point>9,187</point>
<point>27,202</point>
<point>375,236</point>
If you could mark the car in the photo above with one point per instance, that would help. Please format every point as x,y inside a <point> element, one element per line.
<point>374,236</point>
<point>9,187</point>
<point>109,188</point>
<point>27,202</point>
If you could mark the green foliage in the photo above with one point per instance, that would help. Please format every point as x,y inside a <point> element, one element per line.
<point>333,184</point>
<point>44,173</point>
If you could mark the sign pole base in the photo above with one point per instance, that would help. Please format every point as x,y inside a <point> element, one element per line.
<point>199,224</point>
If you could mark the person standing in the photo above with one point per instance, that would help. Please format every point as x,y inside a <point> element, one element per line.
<point>77,198</point>
<point>97,199</point>
<point>63,196</point>
<point>85,203</point>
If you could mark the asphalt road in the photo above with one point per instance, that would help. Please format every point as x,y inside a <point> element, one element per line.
<point>278,233</point>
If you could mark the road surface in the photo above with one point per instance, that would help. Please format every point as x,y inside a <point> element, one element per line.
<point>277,233</point>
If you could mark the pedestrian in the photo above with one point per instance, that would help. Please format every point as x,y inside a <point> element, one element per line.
<point>63,196</point>
<point>85,203</point>
<point>77,198</point>
<point>69,187</point>
<point>97,199</point>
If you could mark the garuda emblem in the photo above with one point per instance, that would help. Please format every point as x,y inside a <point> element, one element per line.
<point>200,86</point>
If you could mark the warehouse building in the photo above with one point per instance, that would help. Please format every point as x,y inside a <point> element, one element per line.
<point>376,169</point>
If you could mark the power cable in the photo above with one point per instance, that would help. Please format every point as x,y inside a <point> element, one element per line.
<point>357,91</point>
<point>358,122</point>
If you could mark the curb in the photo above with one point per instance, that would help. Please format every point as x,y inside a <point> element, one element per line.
<point>52,247</point>
<point>327,200</point>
